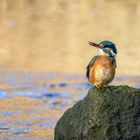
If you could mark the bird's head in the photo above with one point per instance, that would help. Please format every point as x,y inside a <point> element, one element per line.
<point>105,48</point>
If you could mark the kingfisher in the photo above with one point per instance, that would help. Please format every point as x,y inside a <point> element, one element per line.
<point>101,68</point>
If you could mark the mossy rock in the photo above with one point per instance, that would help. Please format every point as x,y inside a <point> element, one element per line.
<point>111,113</point>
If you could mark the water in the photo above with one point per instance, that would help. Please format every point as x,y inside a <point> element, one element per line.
<point>53,35</point>
<point>32,103</point>
<point>44,53</point>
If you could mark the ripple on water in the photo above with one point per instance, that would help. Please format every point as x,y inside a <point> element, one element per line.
<point>56,95</point>
<point>44,100</point>
<point>62,84</point>
<point>3,94</point>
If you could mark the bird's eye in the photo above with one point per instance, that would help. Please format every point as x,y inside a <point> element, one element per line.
<point>102,45</point>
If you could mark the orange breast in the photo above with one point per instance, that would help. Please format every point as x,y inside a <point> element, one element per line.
<point>102,71</point>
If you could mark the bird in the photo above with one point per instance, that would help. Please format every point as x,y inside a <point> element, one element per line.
<point>101,69</point>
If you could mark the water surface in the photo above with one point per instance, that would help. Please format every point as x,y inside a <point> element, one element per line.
<point>44,53</point>
<point>53,35</point>
<point>32,103</point>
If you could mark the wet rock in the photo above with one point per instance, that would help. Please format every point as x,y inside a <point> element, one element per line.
<point>111,113</point>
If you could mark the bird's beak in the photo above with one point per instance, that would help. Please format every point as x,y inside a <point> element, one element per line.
<point>95,45</point>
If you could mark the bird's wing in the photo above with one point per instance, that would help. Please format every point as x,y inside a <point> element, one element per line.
<point>114,61</point>
<point>89,65</point>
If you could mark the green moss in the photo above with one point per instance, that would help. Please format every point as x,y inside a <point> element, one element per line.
<point>111,113</point>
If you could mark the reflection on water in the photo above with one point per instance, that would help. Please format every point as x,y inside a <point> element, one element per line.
<point>41,41</point>
<point>31,103</point>
<point>33,33</point>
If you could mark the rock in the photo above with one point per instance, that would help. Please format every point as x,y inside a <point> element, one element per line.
<point>111,113</point>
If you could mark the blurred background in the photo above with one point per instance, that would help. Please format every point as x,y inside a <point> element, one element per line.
<point>44,52</point>
<point>52,35</point>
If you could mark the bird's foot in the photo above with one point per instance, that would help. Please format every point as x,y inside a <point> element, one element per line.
<point>105,85</point>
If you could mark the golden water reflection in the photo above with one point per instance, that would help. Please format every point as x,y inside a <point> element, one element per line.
<point>32,103</point>
<point>42,36</point>
<point>48,35</point>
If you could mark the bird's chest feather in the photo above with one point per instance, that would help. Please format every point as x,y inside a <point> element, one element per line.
<point>104,69</point>
<point>103,72</point>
